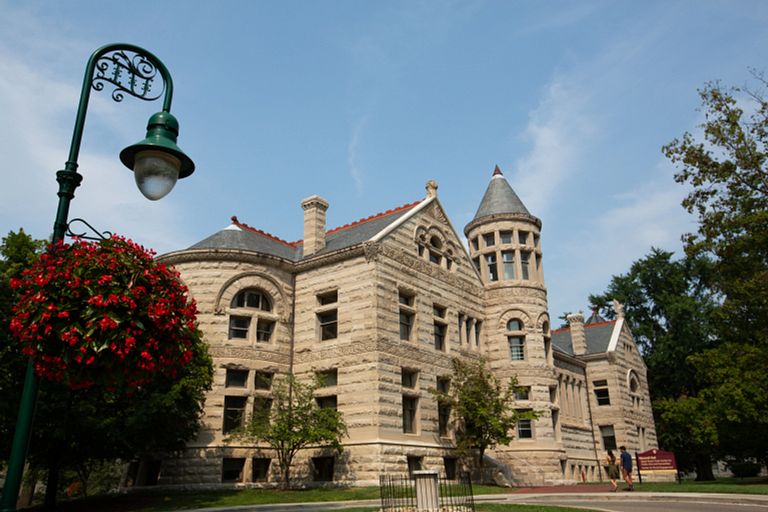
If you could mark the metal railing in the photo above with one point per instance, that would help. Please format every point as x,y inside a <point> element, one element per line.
<point>398,494</point>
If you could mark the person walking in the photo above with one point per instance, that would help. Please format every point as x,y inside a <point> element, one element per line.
<point>612,469</point>
<point>626,467</point>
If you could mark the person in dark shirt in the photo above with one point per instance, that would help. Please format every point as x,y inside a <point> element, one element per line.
<point>626,467</point>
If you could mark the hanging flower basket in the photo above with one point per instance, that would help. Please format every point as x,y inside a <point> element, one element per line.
<point>103,314</point>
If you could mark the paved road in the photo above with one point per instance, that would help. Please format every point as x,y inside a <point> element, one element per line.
<point>643,502</point>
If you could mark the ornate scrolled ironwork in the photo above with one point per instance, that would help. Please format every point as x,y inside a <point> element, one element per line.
<point>84,235</point>
<point>131,73</point>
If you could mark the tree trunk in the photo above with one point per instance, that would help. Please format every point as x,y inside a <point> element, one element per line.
<point>704,468</point>
<point>52,485</point>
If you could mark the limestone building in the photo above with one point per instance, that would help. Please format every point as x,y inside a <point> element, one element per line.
<point>379,307</point>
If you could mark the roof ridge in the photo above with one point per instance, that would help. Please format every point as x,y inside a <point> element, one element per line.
<point>260,232</point>
<point>599,324</point>
<point>373,217</point>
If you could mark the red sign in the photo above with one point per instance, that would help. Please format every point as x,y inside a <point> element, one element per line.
<point>656,460</point>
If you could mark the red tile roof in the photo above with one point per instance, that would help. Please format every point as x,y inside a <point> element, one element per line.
<point>587,326</point>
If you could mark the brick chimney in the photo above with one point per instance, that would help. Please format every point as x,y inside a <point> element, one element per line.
<point>578,336</point>
<point>314,224</point>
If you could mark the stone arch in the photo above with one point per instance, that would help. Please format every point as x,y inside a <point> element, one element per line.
<point>258,280</point>
<point>632,376</point>
<point>544,318</point>
<point>514,313</point>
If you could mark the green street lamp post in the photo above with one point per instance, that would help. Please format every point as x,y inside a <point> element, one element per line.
<point>157,163</point>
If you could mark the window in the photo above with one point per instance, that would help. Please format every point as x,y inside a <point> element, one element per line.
<point>323,299</point>
<point>609,437</point>
<point>523,393</point>
<point>516,348</point>
<point>329,324</point>
<point>443,410</point>
<point>601,392</point>
<point>524,426</point>
<point>328,378</point>
<point>322,469</point>
<point>232,470</point>
<point>490,260</point>
<point>414,464</point>
<point>327,402</point>
<point>409,378</point>
<point>478,328</point>
<point>475,245</point>
<point>410,407</point>
<point>506,237</point>
<point>236,378</point>
<point>251,307</point>
<point>255,299</point>
<point>262,380</point>
<point>489,239</point>
<point>407,315</point>
<point>476,263</point>
<point>262,406</point>
<point>525,265</point>
<point>234,412</point>
<point>516,340</point>
<point>440,327</point>
<point>264,329</point>
<point>449,464</point>
<point>238,327</point>
<point>260,469</point>
<point>508,261</point>
<point>522,237</point>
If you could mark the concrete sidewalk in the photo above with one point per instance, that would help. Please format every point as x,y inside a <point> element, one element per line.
<point>594,492</point>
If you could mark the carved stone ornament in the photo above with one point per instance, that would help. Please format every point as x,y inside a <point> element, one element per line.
<point>372,250</point>
<point>618,307</point>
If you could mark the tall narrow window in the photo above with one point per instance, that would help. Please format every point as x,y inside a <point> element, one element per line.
<point>328,315</point>
<point>516,340</point>
<point>410,407</point>
<point>440,326</point>
<point>489,239</point>
<point>525,265</point>
<point>262,407</point>
<point>263,380</point>
<point>478,330</point>
<point>490,261</point>
<point>264,329</point>
<point>443,409</point>
<point>522,237</point>
<point>524,426</point>
<point>609,437</point>
<point>407,315</point>
<point>508,260</point>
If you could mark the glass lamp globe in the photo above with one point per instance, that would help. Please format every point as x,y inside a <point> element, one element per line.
<point>156,173</point>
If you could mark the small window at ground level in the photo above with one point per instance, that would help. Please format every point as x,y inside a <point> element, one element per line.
<point>232,470</point>
<point>322,469</point>
<point>450,464</point>
<point>260,469</point>
<point>414,463</point>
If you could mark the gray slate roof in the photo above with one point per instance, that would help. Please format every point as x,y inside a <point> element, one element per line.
<point>243,237</point>
<point>598,338</point>
<point>499,198</point>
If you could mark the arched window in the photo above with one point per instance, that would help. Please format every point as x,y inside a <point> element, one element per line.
<point>633,382</point>
<point>251,308</point>
<point>516,339</point>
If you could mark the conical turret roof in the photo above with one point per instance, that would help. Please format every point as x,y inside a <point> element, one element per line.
<point>499,198</point>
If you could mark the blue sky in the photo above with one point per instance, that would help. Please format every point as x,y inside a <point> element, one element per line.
<point>363,102</point>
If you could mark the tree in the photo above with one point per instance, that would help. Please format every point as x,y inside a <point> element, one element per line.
<point>82,428</point>
<point>17,252</point>
<point>482,407</point>
<point>729,177</point>
<point>294,422</point>
<point>728,174</point>
<point>668,305</point>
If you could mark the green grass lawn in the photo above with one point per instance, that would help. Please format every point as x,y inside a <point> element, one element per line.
<point>157,501</point>
<point>756,485</point>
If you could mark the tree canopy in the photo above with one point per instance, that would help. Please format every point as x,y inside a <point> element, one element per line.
<point>293,422</point>
<point>483,408</point>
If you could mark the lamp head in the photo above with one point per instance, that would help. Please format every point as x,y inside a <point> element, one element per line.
<point>157,162</point>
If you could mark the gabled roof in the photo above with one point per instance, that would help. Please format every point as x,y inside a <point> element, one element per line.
<point>499,198</point>
<point>239,235</point>
<point>598,337</point>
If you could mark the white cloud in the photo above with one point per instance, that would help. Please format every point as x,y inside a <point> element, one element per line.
<point>352,157</point>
